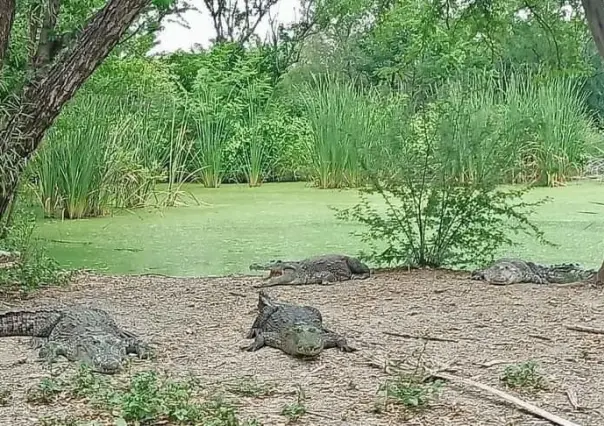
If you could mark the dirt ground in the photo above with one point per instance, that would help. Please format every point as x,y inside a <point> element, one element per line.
<point>198,325</point>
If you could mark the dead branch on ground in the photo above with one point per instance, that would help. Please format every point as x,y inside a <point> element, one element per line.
<point>507,397</point>
<point>585,329</point>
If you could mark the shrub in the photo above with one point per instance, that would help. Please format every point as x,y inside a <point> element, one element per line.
<point>34,268</point>
<point>432,215</point>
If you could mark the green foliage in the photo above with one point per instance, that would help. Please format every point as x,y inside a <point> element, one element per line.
<point>409,392</point>
<point>147,398</point>
<point>34,268</point>
<point>139,78</point>
<point>85,168</point>
<point>434,216</point>
<point>504,100</point>
<point>295,410</point>
<point>344,122</point>
<point>212,130</point>
<point>525,376</point>
<point>45,392</point>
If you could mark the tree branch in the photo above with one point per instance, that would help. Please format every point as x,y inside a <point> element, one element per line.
<point>43,97</point>
<point>47,40</point>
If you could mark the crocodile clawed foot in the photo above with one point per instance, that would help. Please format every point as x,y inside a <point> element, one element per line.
<point>249,348</point>
<point>477,276</point>
<point>255,345</point>
<point>145,352</point>
<point>347,348</point>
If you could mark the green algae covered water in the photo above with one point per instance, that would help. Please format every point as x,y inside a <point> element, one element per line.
<point>236,225</point>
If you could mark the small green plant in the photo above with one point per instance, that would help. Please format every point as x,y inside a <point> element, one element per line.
<point>146,398</point>
<point>45,392</point>
<point>96,388</point>
<point>33,268</point>
<point>525,376</point>
<point>150,399</point>
<point>408,391</point>
<point>295,410</point>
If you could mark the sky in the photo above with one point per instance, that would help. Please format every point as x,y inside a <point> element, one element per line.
<point>174,36</point>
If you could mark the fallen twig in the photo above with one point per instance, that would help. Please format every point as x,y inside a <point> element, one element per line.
<point>507,397</point>
<point>572,398</point>
<point>537,336</point>
<point>411,336</point>
<point>495,362</point>
<point>585,329</point>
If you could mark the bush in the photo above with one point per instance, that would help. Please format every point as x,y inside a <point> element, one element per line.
<point>33,268</point>
<point>433,215</point>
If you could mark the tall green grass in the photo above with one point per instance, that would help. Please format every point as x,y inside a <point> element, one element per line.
<point>524,129</point>
<point>344,123</point>
<point>211,132</point>
<point>110,151</point>
<point>99,155</point>
<point>255,154</point>
<point>75,166</point>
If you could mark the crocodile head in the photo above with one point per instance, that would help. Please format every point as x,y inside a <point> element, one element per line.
<point>502,273</point>
<point>104,353</point>
<point>276,267</point>
<point>303,340</point>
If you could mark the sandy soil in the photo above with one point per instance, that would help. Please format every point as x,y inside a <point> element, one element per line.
<point>198,324</point>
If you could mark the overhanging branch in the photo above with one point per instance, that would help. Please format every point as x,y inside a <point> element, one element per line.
<point>42,98</point>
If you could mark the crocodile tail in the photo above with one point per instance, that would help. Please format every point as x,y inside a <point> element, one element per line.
<point>263,300</point>
<point>569,272</point>
<point>28,323</point>
<point>356,266</point>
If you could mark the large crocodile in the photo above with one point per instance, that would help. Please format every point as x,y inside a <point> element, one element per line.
<point>511,271</point>
<point>88,335</point>
<point>296,330</point>
<point>324,269</point>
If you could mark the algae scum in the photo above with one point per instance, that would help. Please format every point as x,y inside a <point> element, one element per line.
<point>235,225</point>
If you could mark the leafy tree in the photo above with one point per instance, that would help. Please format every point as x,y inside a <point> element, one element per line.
<point>56,67</point>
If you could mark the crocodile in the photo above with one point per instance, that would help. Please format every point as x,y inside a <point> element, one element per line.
<point>87,335</point>
<point>508,271</point>
<point>323,269</point>
<point>296,330</point>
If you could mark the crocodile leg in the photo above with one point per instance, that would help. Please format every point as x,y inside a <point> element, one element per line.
<point>261,340</point>
<point>363,276</point>
<point>325,278</point>
<point>335,340</point>
<point>50,351</point>
<point>537,279</point>
<point>140,349</point>
<point>477,275</point>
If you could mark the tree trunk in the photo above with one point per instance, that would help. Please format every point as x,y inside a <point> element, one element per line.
<point>594,13</point>
<point>599,280</point>
<point>41,99</point>
<point>6,23</point>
